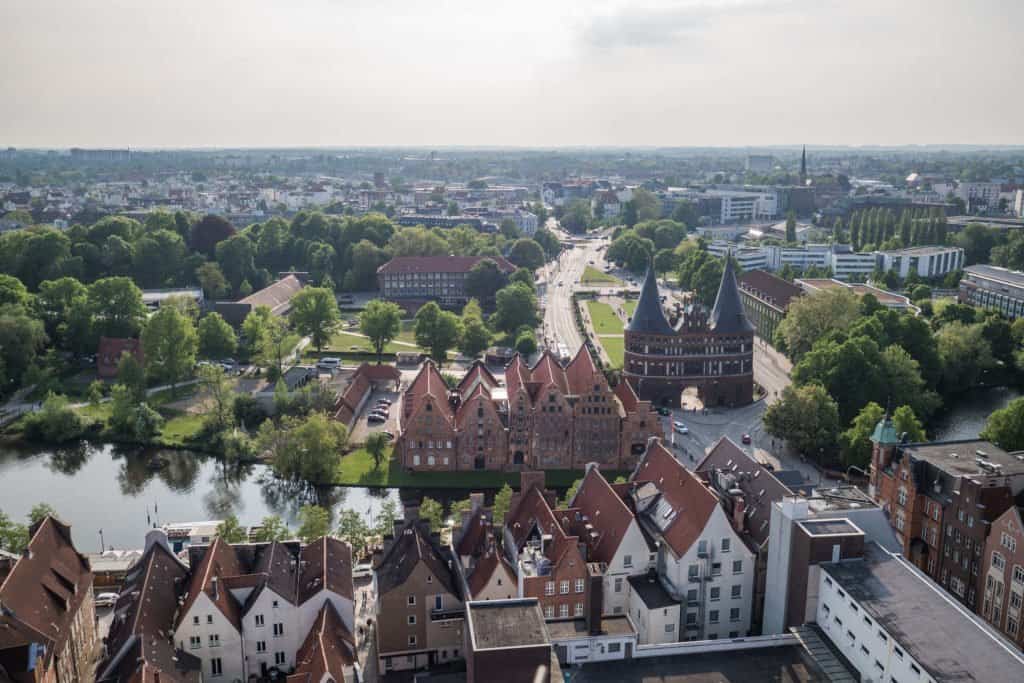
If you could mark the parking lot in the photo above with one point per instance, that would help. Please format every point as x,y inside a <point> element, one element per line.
<point>363,428</point>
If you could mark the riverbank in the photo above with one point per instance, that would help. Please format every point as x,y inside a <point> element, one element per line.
<point>357,469</point>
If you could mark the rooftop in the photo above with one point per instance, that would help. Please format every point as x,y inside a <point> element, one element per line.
<point>496,624</point>
<point>919,251</point>
<point>933,629</point>
<point>774,289</point>
<point>650,590</point>
<point>777,664</point>
<point>966,458</point>
<point>1012,277</point>
<point>828,527</point>
<point>566,629</point>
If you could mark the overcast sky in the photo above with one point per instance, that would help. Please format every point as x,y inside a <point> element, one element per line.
<point>156,73</point>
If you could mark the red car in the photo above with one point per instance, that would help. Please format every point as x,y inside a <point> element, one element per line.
<point>746,439</point>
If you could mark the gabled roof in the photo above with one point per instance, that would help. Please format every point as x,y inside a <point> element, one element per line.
<point>378,372</point>
<point>606,512</point>
<point>45,589</point>
<point>327,564</point>
<point>328,650</point>
<point>276,296</point>
<point>412,546</point>
<point>675,504</point>
<point>490,563</point>
<point>648,316</point>
<point>517,375</point>
<point>626,395</point>
<point>278,564</point>
<point>474,537</point>
<point>218,560</point>
<point>532,511</point>
<point>581,371</point>
<point>428,382</point>
<point>759,486</point>
<point>728,316</point>
<point>478,374</point>
<point>547,371</point>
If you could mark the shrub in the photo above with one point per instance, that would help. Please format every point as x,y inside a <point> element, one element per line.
<point>55,422</point>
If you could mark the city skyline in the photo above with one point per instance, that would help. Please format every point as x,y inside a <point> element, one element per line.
<point>557,74</point>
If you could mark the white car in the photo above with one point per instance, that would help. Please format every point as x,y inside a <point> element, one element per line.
<point>680,427</point>
<point>105,600</point>
<point>329,363</point>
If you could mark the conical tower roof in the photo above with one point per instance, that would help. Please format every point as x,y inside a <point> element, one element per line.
<point>728,317</point>
<point>648,316</point>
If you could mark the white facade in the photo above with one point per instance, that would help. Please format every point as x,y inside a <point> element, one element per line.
<point>1018,204</point>
<point>925,261</point>
<point>746,206</point>
<point>852,265</point>
<point>654,626</point>
<point>801,258</point>
<point>526,222</point>
<point>632,557</point>
<point>748,258</point>
<point>979,193</point>
<point>601,648</point>
<point>206,633</point>
<point>714,579</point>
<point>874,651</point>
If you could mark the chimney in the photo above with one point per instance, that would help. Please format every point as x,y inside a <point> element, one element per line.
<point>594,598</point>
<point>739,519</point>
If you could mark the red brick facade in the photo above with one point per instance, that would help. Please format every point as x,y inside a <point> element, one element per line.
<point>1003,576</point>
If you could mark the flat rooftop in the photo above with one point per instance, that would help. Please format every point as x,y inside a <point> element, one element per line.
<point>1012,277</point>
<point>829,527</point>
<point>839,498</point>
<point>651,592</point>
<point>919,251</point>
<point>930,626</point>
<point>967,458</point>
<point>505,623</point>
<point>778,664</point>
<point>577,628</point>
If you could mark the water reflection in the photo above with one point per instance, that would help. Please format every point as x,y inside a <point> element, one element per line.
<point>68,460</point>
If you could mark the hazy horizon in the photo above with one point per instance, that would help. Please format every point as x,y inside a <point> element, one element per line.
<point>533,75</point>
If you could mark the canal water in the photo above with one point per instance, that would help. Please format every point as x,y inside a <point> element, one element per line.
<point>967,418</point>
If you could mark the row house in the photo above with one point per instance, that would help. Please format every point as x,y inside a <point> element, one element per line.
<point>235,612</point>
<point>485,571</point>
<point>703,563</point>
<point>544,417</point>
<point>420,613</point>
<point>1003,576</point>
<point>942,499</point>
<point>47,614</point>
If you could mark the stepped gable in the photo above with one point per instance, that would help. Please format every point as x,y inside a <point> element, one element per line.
<point>581,371</point>
<point>428,382</point>
<point>648,318</point>
<point>549,371</point>
<point>728,316</point>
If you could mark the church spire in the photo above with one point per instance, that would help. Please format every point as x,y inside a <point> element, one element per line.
<point>803,165</point>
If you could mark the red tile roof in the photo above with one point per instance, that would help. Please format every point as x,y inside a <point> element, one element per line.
<point>378,372</point>
<point>490,562</point>
<point>581,372</point>
<point>607,513</point>
<point>478,372</point>
<point>517,375</point>
<point>328,650</point>
<point>689,502</point>
<point>440,264</point>
<point>218,560</point>
<point>109,352</point>
<point>428,382</point>
<point>767,286</point>
<point>626,395</point>
<point>548,371</point>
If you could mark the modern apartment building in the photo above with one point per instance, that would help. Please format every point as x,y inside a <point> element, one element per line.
<point>544,417</point>
<point>431,278</point>
<point>926,262</point>
<point>47,614</point>
<point>994,288</point>
<point>766,299</point>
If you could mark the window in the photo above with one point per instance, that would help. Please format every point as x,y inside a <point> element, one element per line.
<point>261,646</point>
<point>915,669</point>
<point>864,651</point>
<point>549,612</point>
<point>439,599</point>
<point>195,620</point>
<point>618,584</point>
<point>713,616</point>
<point>209,618</point>
<point>564,586</point>
<point>670,628</point>
<point>828,582</point>
<point>737,566</point>
<point>716,593</point>
<point>278,630</point>
<point>1018,574</point>
<point>725,545</point>
<point>997,561</point>
<point>579,585</point>
<point>694,572</point>
<point>279,658</point>
<point>214,640</point>
<point>579,609</point>
<point>691,596</point>
<point>195,642</point>
<point>627,560</point>
<point>275,604</point>
<point>868,622</point>
<point>412,641</point>
<point>411,601</point>
<point>737,591</point>
<point>614,647</point>
<point>412,619</point>
<point>216,668</point>
<point>259,620</point>
<point>898,652</point>
<point>563,610</point>
<point>734,614</point>
<point>549,588</point>
<point>716,569</point>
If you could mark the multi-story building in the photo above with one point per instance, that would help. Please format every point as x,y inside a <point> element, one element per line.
<point>544,417</point>
<point>926,262</point>
<point>420,613</point>
<point>942,498</point>
<point>766,299</point>
<point>800,258</point>
<point>1002,572</point>
<point>703,563</point>
<point>748,258</point>
<point>891,624</point>
<point>712,351</point>
<point>526,222</point>
<point>47,614</point>
<point>847,264</point>
<point>886,298</point>
<point>995,288</point>
<point>509,641</point>
<point>431,278</point>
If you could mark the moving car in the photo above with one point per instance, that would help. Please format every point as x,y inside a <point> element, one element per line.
<point>105,600</point>
<point>329,363</point>
<point>680,427</point>
<point>746,439</point>
<point>384,401</point>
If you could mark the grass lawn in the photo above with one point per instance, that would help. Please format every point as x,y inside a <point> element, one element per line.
<point>604,317</point>
<point>593,276</point>
<point>357,470</point>
<point>615,348</point>
<point>406,335</point>
<point>343,341</point>
<point>179,428</point>
<point>629,306</point>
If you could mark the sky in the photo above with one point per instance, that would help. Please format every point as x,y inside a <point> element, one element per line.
<point>528,73</point>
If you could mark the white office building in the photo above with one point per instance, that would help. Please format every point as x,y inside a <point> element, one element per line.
<point>847,264</point>
<point>526,222</point>
<point>801,258</point>
<point>749,258</point>
<point>927,262</point>
<point>738,205</point>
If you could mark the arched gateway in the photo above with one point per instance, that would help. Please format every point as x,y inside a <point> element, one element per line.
<point>714,353</point>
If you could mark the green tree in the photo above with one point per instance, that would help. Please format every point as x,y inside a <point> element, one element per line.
<point>484,280</point>
<point>647,205</point>
<point>475,335</point>
<point>117,308</point>
<point>212,280</point>
<point>433,512</point>
<point>457,508</point>
<point>272,528</point>
<point>807,418</point>
<point>502,502</point>
<point>381,321</point>
<point>386,517</point>
<point>95,392</point>
<point>577,217</point>
<point>315,314</point>
<point>169,343</point>
<point>307,449</point>
<point>13,536</point>
<point>21,339</point>
<point>791,227</point>
<point>209,232</point>
<point>39,512</point>
<point>437,330</point>
<point>12,291</point>
<point>236,258</point>
<point>855,442</point>
<point>314,523</point>
<point>132,375</point>
<point>526,253</point>
<point>570,493</point>
<point>352,529</point>
<point>1005,427</point>
<point>516,305</point>
<point>524,276</point>
<point>55,422</point>
<point>377,446</point>
<point>965,354</point>
<point>810,318</point>
<point>217,338</point>
<point>906,422</point>
<point>526,342</point>
<point>231,531</point>
<point>219,394</point>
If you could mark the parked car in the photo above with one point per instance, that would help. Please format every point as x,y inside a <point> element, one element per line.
<point>329,363</point>
<point>105,600</point>
<point>384,401</point>
<point>680,427</point>
<point>664,412</point>
<point>376,417</point>
<point>746,439</point>
<point>362,571</point>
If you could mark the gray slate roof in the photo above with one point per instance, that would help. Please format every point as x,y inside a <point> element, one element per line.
<point>728,317</point>
<point>648,317</point>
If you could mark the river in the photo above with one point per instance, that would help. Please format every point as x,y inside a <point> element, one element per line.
<point>967,418</point>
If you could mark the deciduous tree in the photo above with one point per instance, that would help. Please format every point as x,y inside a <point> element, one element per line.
<point>314,523</point>
<point>381,321</point>
<point>315,314</point>
<point>169,343</point>
<point>217,339</point>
